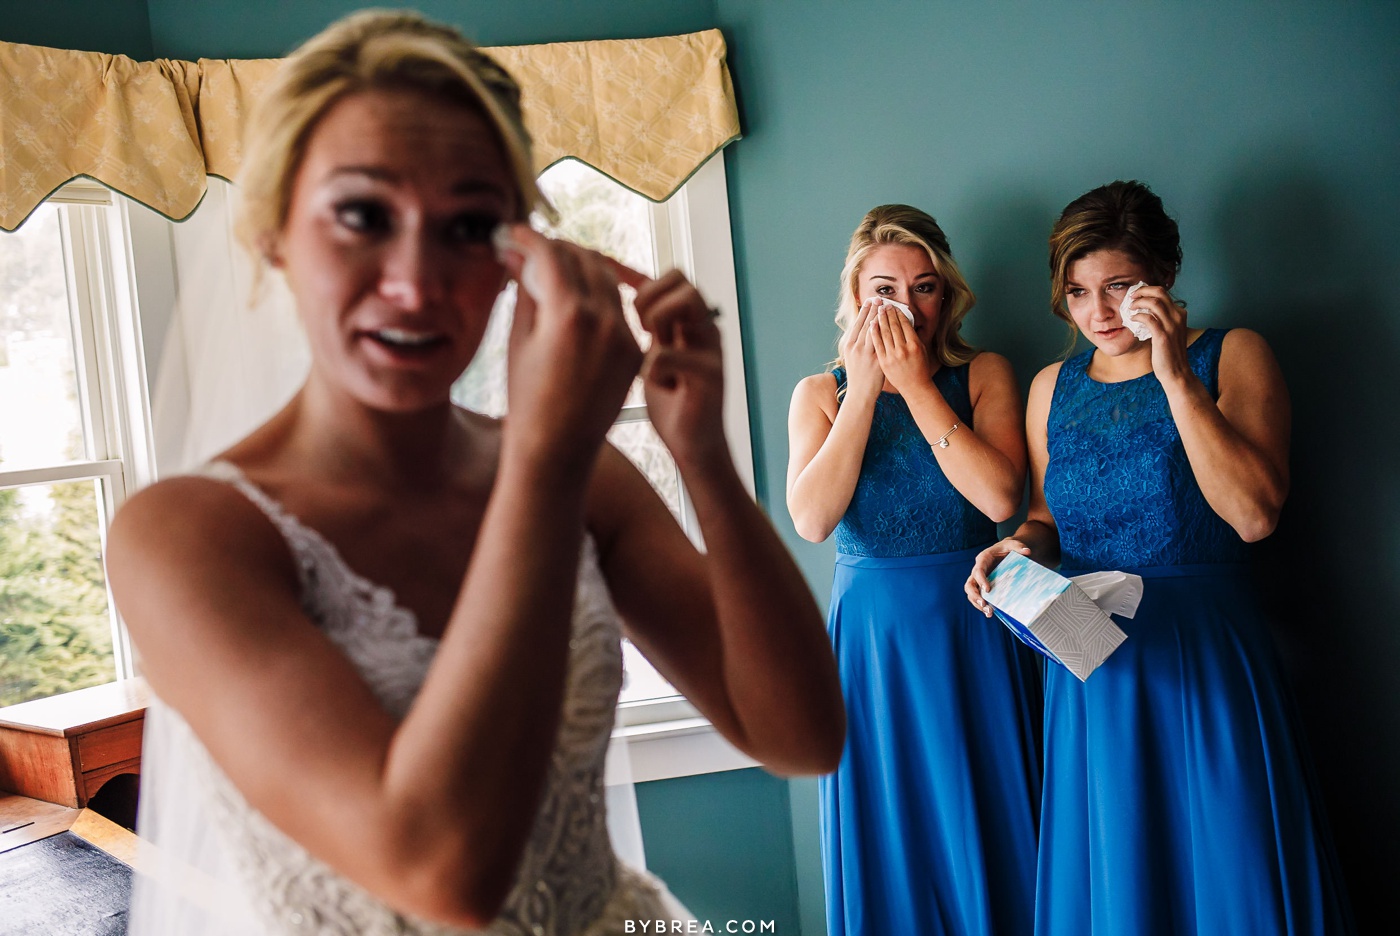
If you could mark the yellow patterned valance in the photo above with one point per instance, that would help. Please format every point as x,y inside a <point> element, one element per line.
<point>648,112</point>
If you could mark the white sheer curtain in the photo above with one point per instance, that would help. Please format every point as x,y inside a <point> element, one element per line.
<point>231,358</point>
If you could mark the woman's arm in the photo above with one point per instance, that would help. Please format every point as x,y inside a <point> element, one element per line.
<point>1038,537</point>
<point>1238,444</point>
<point>987,466</point>
<point>826,441</point>
<point>431,813</point>
<point>737,629</point>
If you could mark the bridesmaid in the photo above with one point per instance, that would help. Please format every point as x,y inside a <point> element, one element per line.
<point>911,450</point>
<point>1177,797</point>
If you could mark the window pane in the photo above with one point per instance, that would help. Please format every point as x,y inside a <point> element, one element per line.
<point>640,443</point>
<point>55,628</point>
<point>641,682</point>
<point>482,387</point>
<point>40,419</point>
<point>593,211</point>
<point>597,212</point>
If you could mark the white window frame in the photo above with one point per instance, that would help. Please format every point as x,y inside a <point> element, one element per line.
<point>691,231</point>
<point>109,364</point>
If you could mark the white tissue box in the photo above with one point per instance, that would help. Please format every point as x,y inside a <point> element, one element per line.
<point>1054,615</point>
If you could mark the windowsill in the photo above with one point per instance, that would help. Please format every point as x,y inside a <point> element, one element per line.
<point>682,747</point>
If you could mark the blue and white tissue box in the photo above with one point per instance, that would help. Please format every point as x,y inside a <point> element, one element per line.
<point>1057,617</point>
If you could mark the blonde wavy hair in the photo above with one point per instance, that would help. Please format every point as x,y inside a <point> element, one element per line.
<point>373,50</point>
<point>903,224</point>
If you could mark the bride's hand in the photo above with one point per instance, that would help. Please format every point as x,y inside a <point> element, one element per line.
<point>572,356</point>
<point>683,372</point>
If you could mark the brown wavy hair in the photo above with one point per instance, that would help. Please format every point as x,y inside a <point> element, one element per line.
<point>1126,216</point>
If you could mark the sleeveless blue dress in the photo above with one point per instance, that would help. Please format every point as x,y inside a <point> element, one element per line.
<point>929,824</point>
<point>1178,798</point>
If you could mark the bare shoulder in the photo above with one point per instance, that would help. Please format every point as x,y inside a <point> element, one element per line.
<point>1242,347</point>
<point>192,525</point>
<point>1248,370</point>
<point>1043,385</point>
<point>987,370</point>
<point>989,362</point>
<point>815,389</point>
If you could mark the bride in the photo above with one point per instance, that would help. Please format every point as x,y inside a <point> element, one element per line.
<point>384,631</point>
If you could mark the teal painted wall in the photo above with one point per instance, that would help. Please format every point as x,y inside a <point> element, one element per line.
<point>120,27</point>
<point>1271,130</point>
<point>180,29</point>
<point>722,842</point>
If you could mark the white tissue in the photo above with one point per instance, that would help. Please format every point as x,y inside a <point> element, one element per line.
<point>1125,312</point>
<point>1117,593</point>
<point>901,307</point>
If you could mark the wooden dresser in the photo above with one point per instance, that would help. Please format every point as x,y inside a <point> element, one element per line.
<point>63,748</point>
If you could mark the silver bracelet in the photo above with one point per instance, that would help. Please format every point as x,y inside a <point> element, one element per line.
<point>943,439</point>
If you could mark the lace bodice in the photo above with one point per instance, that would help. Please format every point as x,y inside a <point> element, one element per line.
<point>569,881</point>
<point>903,504</point>
<point>1118,482</point>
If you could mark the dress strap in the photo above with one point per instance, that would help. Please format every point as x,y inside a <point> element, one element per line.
<point>955,383</point>
<point>299,537</point>
<point>1071,372</point>
<point>1204,355</point>
<point>840,374</point>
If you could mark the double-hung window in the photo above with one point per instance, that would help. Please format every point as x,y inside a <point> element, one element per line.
<point>73,440</point>
<point>74,392</point>
<point>689,232</point>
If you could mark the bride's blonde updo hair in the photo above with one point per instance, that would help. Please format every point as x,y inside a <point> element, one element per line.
<point>903,224</point>
<point>373,50</point>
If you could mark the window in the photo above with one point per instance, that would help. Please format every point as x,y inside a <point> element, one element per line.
<point>72,440</point>
<point>77,403</point>
<point>689,232</point>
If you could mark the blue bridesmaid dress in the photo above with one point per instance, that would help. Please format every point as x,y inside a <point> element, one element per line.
<point>1178,798</point>
<point>929,824</point>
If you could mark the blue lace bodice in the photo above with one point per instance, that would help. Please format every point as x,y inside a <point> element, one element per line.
<point>1118,482</point>
<point>904,505</point>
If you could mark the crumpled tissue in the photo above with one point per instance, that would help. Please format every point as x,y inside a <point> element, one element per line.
<point>1125,312</point>
<point>901,307</point>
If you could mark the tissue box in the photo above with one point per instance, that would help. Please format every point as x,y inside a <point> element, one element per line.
<point>1053,615</point>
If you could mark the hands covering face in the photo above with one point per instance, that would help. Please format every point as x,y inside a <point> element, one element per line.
<point>881,345</point>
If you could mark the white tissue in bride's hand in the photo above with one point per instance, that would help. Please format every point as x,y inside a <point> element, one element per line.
<point>908,313</point>
<point>1125,312</point>
<point>1053,615</point>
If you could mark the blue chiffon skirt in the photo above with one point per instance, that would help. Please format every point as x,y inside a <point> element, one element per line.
<point>1178,798</point>
<point>929,824</point>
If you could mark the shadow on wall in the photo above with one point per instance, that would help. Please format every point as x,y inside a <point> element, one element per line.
<point>1295,271</point>
<point>1005,265</point>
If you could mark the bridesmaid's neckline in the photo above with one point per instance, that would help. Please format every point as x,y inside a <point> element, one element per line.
<point>1118,383</point>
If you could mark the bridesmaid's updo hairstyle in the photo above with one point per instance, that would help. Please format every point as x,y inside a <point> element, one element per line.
<point>903,224</point>
<point>373,50</point>
<point>1126,216</point>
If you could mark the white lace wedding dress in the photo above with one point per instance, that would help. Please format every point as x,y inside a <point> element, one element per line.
<point>220,867</point>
